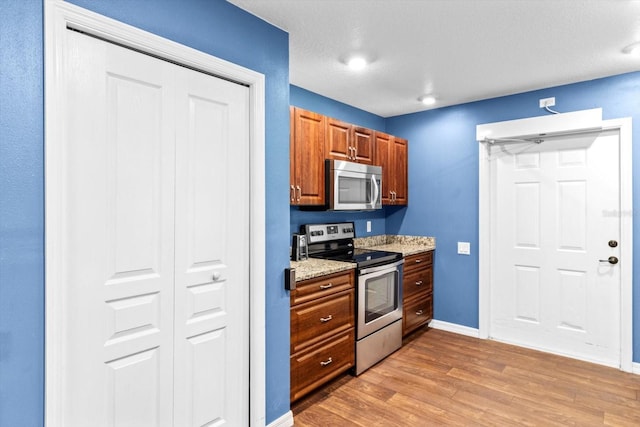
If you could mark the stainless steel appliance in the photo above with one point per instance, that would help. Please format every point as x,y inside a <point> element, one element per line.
<point>353,186</point>
<point>378,289</point>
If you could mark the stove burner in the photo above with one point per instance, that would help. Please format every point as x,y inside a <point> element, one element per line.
<point>363,257</point>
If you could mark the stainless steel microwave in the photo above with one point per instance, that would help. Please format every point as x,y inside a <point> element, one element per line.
<point>353,186</point>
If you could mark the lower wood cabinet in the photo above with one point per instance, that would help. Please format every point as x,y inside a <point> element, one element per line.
<point>417,288</point>
<point>322,331</point>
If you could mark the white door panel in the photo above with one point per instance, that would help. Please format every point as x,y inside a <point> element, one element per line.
<point>119,251</point>
<point>155,201</point>
<point>212,236</point>
<point>550,290</point>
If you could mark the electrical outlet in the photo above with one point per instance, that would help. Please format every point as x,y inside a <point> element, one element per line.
<point>368,226</point>
<point>547,102</point>
<point>464,248</point>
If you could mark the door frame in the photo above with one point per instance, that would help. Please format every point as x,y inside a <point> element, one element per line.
<point>57,18</point>
<point>567,123</point>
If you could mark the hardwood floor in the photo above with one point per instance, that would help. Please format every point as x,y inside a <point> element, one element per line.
<point>440,378</point>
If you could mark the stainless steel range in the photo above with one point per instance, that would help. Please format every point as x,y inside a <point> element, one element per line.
<point>378,289</point>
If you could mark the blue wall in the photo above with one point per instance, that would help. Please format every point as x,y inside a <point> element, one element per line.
<point>443,180</point>
<point>212,26</point>
<point>21,214</point>
<point>312,101</point>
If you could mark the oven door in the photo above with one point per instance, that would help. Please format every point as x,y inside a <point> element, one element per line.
<point>379,297</point>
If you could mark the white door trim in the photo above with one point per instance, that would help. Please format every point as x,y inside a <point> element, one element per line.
<point>565,124</point>
<point>58,17</point>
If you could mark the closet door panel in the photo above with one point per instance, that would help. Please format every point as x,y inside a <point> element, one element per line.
<point>117,201</point>
<point>212,281</point>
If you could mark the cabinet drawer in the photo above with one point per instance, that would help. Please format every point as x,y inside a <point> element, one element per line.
<point>417,283</point>
<point>312,368</point>
<point>418,261</point>
<point>417,312</point>
<point>320,319</point>
<point>323,286</point>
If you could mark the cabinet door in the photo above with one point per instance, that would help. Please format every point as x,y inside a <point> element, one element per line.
<point>383,158</point>
<point>338,144</point>
<point>362,143</point>
<point>400,171</point>
<point>307,154</point>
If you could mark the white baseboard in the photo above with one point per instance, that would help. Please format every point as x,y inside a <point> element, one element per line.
<point>455,328</point>
<point>284,421</point>
<point>635,368</point>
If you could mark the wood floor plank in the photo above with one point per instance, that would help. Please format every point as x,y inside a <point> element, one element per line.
<point>439,379</point>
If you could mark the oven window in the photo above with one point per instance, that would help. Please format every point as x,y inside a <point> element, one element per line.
<point>381,296</point>
<point>354,190</point>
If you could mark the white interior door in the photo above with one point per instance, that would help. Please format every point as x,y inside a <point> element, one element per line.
<point>557,207</point>
<point>155,217</point>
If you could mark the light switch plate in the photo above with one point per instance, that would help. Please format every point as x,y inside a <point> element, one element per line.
<point>368,226</point>
<point>464,248</point>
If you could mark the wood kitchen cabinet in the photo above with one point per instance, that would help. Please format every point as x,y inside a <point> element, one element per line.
<point>391,152</point>
<point>417,288</point>
<point>307,154</point>
<point>322,331</point>
<point>345,141</point>
<point>315,137</point>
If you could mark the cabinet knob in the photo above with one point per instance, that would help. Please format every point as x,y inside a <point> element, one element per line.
<point>419,282</point>
<point>419,312</point>
<point>326,319</point>
<point>215,276</point>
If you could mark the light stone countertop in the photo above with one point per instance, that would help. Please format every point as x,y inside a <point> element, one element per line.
<point>316,267</point>
<point>406,245</point>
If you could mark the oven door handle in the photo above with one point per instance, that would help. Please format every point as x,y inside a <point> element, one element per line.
<point>381,267</point>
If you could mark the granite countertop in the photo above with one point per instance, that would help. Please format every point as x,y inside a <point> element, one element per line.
<point>406,245</point>
<point>316,267</point>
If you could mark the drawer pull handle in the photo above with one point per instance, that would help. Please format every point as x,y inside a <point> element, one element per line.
<point>419,282</point>
<point>327,286</point>
<point>419,312</point>
<point>326,362</point>
<point>326,319</point>
<point>418,261</point>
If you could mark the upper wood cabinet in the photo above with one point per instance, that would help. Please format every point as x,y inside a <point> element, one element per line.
<point>400,171</point>
<point>315,137</point>
<point>307,154</point>
<point>345,141</point>
<point>391,153</point>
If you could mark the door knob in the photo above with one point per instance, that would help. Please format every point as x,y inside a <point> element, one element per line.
<point>610,260</point>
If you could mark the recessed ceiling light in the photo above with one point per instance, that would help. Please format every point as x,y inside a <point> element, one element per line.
<point>632,48</point>
<point>357,63</point>
<point>427,99</point>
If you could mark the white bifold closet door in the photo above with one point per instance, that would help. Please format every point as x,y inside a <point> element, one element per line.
<point>155,203</point>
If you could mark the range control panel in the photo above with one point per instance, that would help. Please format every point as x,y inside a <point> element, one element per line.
<point>317,233</point>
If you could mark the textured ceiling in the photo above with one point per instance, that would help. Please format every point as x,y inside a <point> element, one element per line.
<point>457,50</point>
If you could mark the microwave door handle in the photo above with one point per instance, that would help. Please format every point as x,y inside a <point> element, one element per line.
<point>375,191</point>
